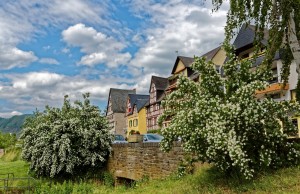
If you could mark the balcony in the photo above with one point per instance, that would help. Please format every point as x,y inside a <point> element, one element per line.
<point>273,88</point>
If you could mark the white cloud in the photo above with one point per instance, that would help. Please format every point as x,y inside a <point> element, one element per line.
<point>23,20</point>
<point>98,47</point>
<point>11,57</point>
<point>36,89</point>
<point>186,27</point>
<point>9,114</point>
<point>50,61</point>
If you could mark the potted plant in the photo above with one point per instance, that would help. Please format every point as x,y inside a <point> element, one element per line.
<point>135,137</point>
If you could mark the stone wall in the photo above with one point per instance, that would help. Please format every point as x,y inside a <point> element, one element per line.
<point>136,160</point>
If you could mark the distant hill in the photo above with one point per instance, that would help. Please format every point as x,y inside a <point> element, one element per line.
<point>13,124</point>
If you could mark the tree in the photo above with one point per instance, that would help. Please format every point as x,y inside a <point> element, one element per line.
<point>7,140</point>
<point>66,141</point>
<point>223,123</point>
<point>281,17</point>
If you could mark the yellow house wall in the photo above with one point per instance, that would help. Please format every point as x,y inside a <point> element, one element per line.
<point>180,67</point>
<point>142,121</point>
<point>219,58</point>
<point>141,126</point>
<point>132,118</point>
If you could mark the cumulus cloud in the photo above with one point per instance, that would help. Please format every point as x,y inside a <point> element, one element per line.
<point>180,26</point>
<point>167,27</point>
<point>50,61</point>
<point>98,47</point>
<point>23,20</point>
<point>11,57</point>
<point>32,90</point>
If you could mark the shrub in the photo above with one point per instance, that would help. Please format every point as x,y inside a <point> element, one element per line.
<point>66,141</point>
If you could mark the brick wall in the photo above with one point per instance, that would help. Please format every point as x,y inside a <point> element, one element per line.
<point>135,160</point>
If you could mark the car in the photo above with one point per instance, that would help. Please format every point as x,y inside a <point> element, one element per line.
<point>119,139</point>
<point>150,137</point>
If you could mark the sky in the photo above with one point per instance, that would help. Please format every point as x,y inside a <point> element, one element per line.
<point>49,49</point>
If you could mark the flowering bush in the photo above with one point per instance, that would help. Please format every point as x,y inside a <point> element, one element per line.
<point>223,122</point>
<point>66,141</point>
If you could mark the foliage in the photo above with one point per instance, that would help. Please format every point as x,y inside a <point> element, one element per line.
<point>186,166</point>
<point>108,179</point>
<point>156,131</point>
<point>132,132</point>
<point>7,140</point>
<point>66,141</point>
<point>66,187</point>
<point>223,122</point>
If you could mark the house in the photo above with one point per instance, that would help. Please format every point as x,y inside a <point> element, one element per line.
<point>116,109</point>
<point>154,109</point>
<point>182,66</point>
<point>244,49</point>
<point>136,113</point>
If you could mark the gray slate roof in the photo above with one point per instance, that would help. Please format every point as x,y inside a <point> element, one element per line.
<point>139,100</point>
<point>160,83</point>
<point>246,36</point>
<point>187,62</point>
<point>210,54</point>
<point>118,99</point>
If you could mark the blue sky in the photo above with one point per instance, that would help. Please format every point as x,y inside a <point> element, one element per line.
<point>49,49</point>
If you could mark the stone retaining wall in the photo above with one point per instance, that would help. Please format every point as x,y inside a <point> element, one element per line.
<point>136,160</point>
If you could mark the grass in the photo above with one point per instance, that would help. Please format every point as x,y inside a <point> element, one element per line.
<point>205,180</point>
<point>208,180</point>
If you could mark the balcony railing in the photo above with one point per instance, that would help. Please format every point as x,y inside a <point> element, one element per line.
<point>275,87</point>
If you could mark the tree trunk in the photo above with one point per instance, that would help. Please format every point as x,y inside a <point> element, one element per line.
<point>294,43</point>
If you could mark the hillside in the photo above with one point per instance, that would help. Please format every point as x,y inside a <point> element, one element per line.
<point>13,124</point>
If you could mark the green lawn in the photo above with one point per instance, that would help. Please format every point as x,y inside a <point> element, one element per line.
<point>205,180</point>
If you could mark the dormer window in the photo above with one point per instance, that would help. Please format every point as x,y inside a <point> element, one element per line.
<point>244,56</point>
<point>128,107</point>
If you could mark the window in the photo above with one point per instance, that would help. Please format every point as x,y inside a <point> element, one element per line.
<point>275,76</point>
<point>244,56</point>
<point>218,69</point>
<point>152,94</point>
<point>274,96</point>
<point>153,121</point>
<point>294,133</point>
<point>130,123</point>
<point>293,95</point>
<point>134,109</point>
<point>135,122</point>
<point>149,122</point>
<point>128,107</point>
<point>157,106</point>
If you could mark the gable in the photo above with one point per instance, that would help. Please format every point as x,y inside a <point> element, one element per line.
<point>117,98</point>
<point>219,57</point>
<point>180,66</point>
